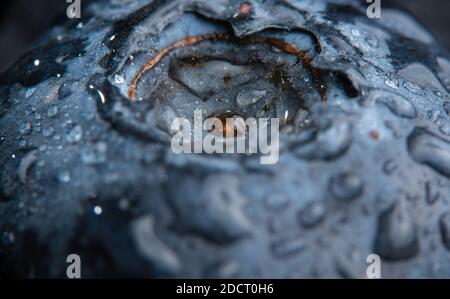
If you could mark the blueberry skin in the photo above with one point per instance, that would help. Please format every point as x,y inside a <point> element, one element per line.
<point>84,170</point>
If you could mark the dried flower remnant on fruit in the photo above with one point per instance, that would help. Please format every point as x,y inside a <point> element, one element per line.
<point>188,41</point>
<point>194,40</point>
<point>245,9</point>
<point>230,125</point>
<point>374,134</point>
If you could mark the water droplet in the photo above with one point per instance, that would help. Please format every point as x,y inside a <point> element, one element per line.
<point>47,131</point>
<point>444,225</point>
<point>392,83</point>
<point>328,145</point>
<point>431,196</point>
<point>413,87</point>
<point>25,128</point>
<point>419,78</point>
<point>447,108</point>
<point>389,167</point>
<point>223,221</point>
<point>98,210</point>
<point>52,110</point>
<point>112,37</point>
<point>64,177</point>
<point>398,104</point>
<point>312,214</point>
<point>37,62</point>
<point>438,94</point>
<point>8,238</point>
<point>38,116</point>
<point>151,247</point>
<point>25,164</point>
<point>119,78</point>
<point>372,41</point>
<point>346,186</point>
<point>287,247</point>
<point>30,92</point>
<point>30,109</point>
<point>429,149</point>
<point>223,270</point>
<point>75,134</point>
<point>248,97</point>
<point>397,234</point>
<point>102,96</point>
<point>434,115</point>
<point>355,32</point>
<point>80,25</point>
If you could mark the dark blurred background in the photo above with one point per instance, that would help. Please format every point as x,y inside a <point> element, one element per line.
<point>23,21</point>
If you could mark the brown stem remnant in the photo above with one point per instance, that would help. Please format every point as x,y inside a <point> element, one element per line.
<point>194,40</point>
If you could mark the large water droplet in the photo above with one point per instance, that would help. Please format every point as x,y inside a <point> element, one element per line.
<point>429,149</point>
<point>397,234</point>
<point>329,145</point>
<point>392,82</point>
<point>444,225</point>
<point>420,77</point>
<point>151,247</point>
<point>25,164</point>
<point>312,214</point>
<point>222,220</point>
<point>398,104</point>
<point>287,247</point>
<point>372,40</point>
<point>431,196</point>
<point>389,167</point>
<point>346,186</point>
<point>30,92</point>
<point>119,78</point>
<point>223,270</point>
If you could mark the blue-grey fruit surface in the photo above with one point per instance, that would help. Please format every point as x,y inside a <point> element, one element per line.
<point>364,165</point>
